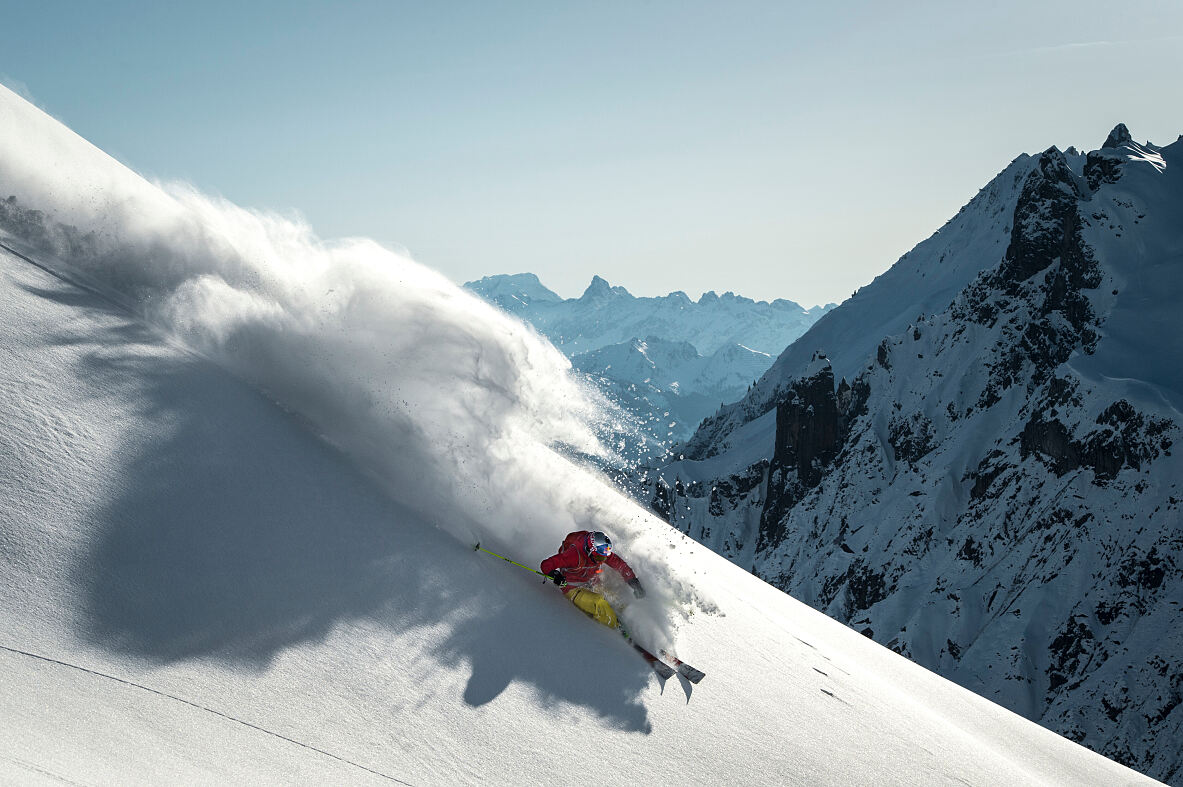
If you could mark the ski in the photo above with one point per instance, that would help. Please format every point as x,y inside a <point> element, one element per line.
<point>685,670</point>
<point>663,670</point>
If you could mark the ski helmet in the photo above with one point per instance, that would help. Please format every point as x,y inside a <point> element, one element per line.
<point>599,546</point>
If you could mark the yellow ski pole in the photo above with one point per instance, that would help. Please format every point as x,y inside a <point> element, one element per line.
<point>507,560</point>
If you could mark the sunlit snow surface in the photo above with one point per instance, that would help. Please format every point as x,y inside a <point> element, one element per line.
<point>240,474</point>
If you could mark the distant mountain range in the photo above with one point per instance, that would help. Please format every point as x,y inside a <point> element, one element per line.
<point>974,460</point>
<point>669,360</point>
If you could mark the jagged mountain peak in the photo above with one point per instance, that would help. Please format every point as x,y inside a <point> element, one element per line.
<point>693,356</point>
<point>600,289</point>
<point>1120,135</point>
<point>922,281</point>
<point>928,277</point>
<point>1054,166</point>
<point>605,315</point>
<point>1052,157</point>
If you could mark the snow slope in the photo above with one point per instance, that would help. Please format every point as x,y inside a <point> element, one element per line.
<point>240,470</point>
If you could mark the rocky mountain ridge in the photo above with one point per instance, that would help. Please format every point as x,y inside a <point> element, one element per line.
<point>992,490</point>
<point>670,361</point>
<point>606,315</point>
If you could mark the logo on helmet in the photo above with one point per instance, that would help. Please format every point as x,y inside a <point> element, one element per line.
<point>599,546</point>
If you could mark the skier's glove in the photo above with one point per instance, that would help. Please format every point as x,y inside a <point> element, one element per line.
<point>557,577</point>
<point>635,584</point>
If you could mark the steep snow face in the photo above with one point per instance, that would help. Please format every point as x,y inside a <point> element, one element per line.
<point>921,282</point>
<point>195,589</point>
<point>1144,255</point>
<point>996,492</point>
<point>353,338</point>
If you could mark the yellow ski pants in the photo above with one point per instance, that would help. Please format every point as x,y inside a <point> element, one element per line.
<point>594,606</point>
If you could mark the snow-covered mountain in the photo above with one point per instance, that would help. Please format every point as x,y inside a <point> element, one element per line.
<point>241,471</point>
<point>676,365</point>
<point>606,315</point>
<point>670,361</point>
<point>974,460</point>
<point>669,386</point>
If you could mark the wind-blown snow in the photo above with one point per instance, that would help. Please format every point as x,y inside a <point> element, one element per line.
<point>197,589</point>
<point>459,408</point>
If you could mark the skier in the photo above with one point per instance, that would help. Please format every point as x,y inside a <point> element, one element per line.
<point>577,566</point>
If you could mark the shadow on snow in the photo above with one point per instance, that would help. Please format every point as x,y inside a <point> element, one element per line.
<point>238,534</point>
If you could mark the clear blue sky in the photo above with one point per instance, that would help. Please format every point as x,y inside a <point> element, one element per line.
<point>775,149</point>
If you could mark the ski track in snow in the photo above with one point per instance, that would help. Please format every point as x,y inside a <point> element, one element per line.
<point>197,705</point>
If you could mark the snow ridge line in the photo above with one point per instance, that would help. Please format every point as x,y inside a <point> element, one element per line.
<point>192,704</point>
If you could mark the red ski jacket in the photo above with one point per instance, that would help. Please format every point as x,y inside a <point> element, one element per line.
<point>577,567</point>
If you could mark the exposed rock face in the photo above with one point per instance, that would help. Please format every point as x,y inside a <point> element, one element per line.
<point>996,493</point>
<point>1105,165</point>
<point>1100,169</point>
<point>1041,323</point>
<point>1125,439</point>
<point>811,427</point>
<point>1120,135</point>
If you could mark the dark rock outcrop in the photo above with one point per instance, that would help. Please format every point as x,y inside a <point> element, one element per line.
<point>812,421</point>
<point>1126,438</point>
<point>1119,136</point>
<point>1038,292</point>
<point>1100,169</point>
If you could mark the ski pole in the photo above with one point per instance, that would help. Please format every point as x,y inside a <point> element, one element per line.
<point>507,560</point>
